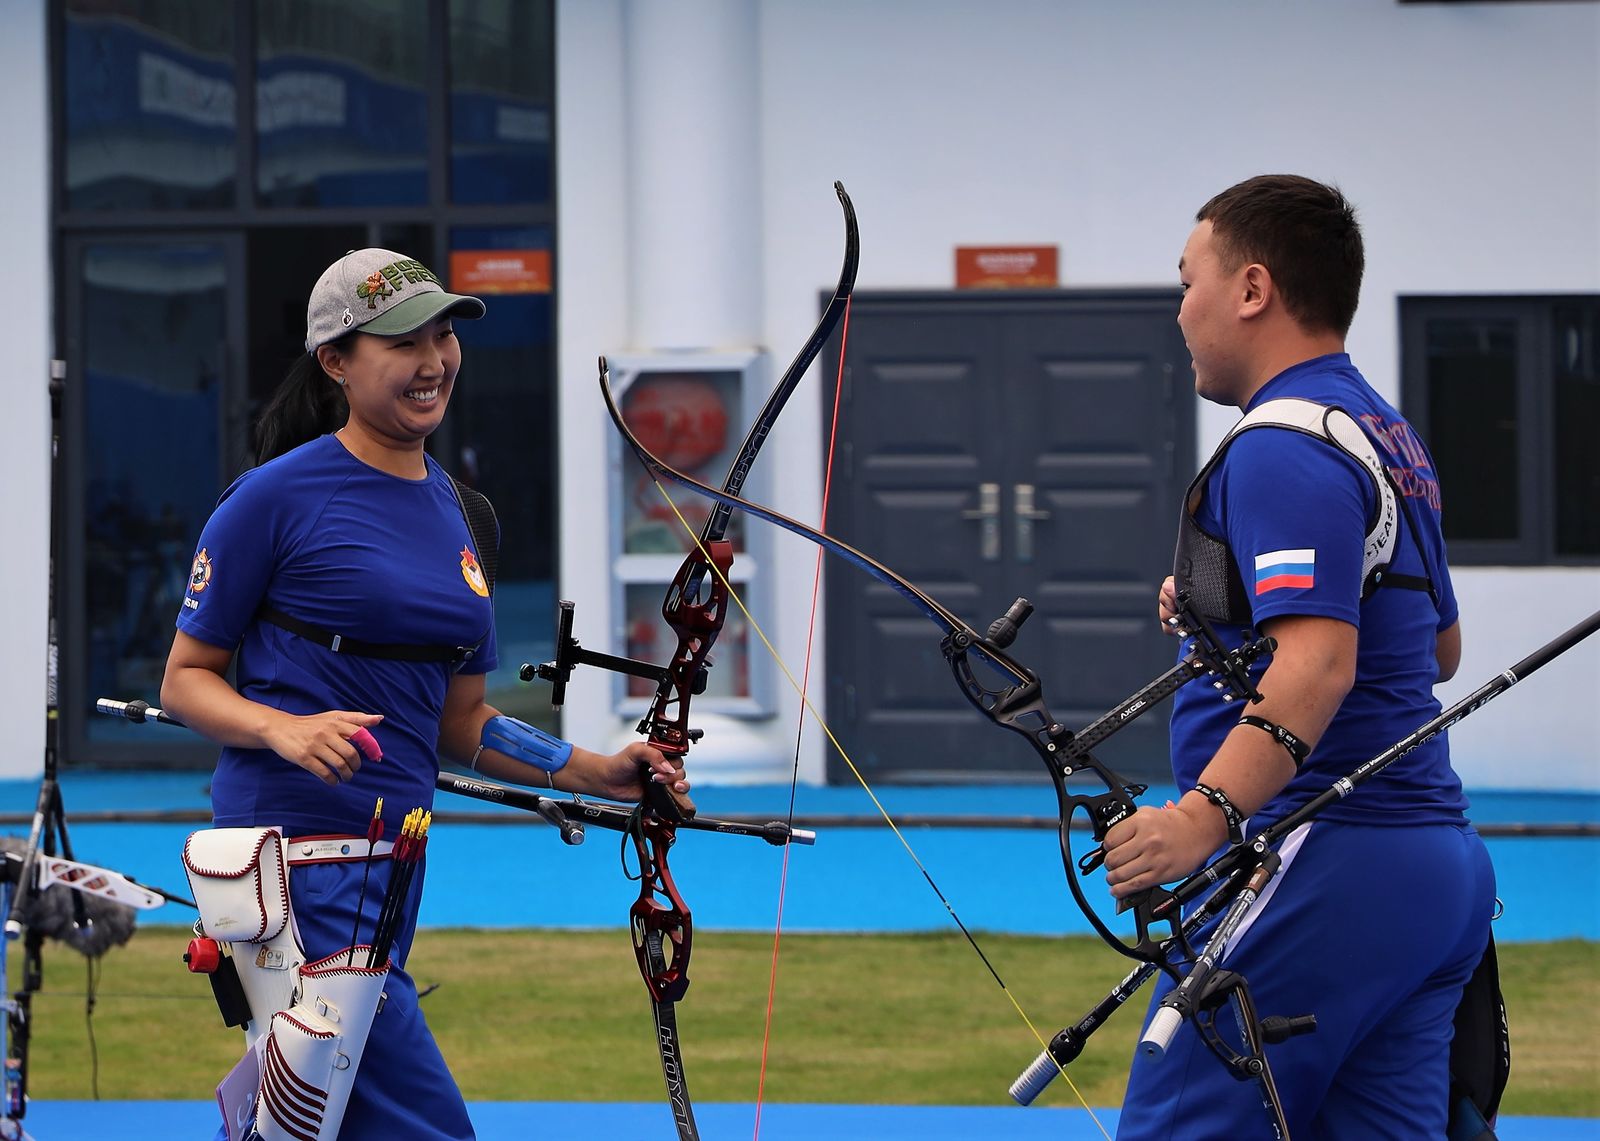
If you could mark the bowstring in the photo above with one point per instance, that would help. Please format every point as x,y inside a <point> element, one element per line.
<point>827,730</point>
<point>800,722</point>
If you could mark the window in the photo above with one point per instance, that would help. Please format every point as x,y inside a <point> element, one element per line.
<point>148,118</point>
<point>212,158</point>
<point>341,103</point>
<point>149,394</point>
<point>500,109</point>
<point>1504,389</point>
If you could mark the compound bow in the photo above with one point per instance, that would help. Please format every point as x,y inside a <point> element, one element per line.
<point>1242,870</point>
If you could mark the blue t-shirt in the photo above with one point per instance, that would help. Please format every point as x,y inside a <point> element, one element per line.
<point>1293,511</point>
<point>323,537</point>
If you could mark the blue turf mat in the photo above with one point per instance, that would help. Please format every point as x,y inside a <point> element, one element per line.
<point>854,879</point>
<point>516,1121</point>
<point>97,791</point>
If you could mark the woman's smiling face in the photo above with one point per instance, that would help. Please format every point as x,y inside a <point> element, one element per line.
<point>398,387</point>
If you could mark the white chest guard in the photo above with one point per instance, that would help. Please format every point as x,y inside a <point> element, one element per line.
<point>1338,427</point>
<point>1205,566</point>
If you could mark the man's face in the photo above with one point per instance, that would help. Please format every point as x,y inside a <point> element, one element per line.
<point>1209,318</point>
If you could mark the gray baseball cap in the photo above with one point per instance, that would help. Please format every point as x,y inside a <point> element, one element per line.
<point>382,292</point>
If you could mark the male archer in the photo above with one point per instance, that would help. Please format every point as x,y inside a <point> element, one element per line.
<point>1316,523</point>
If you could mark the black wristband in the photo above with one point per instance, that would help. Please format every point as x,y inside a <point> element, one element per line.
<point>1298,749</point>
<point>1229,812</point>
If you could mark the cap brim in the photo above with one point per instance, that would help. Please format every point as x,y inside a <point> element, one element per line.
<point>415,312</point>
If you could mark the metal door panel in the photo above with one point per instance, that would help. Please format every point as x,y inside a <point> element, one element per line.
<point>1079,400</point>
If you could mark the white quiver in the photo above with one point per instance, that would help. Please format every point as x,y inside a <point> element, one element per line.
<point>308,1022</point>
<point>314,1048</point>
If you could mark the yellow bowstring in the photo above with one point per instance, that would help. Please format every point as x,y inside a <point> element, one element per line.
<point>873,796</point>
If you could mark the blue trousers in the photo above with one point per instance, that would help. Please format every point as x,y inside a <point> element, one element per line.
<point>1374,930</point>
<point>403,1088</point>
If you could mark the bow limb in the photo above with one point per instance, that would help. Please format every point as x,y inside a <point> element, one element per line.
<point>695,606</point>
<point>717,525</point>
<point>695,609</point>
<point>1013,700</point>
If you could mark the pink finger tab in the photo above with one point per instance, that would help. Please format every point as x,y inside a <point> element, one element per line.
<point>368,744</point>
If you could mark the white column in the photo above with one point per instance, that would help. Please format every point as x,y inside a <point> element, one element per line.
<point>694,212</point>
<point>25,292</point>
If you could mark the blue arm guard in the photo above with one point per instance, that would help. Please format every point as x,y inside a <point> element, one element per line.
<point>522,742</point>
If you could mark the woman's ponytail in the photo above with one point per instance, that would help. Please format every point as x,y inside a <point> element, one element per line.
<point>306,404</point>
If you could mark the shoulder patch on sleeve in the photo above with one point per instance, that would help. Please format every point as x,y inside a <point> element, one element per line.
<point>1277,570</point>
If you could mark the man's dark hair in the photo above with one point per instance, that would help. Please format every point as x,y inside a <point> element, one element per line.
<point>1307,236</point>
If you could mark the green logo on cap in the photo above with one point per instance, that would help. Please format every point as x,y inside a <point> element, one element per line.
<point>383,283</point>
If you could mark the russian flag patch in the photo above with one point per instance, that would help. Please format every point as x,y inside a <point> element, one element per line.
<point>1278,569</point>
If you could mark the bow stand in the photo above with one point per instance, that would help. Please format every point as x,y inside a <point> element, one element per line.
<point>47,858</point>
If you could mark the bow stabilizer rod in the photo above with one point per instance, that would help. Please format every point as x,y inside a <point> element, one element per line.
<point>576,813</point>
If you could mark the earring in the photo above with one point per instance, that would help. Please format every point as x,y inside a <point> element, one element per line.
<point>339,380</point>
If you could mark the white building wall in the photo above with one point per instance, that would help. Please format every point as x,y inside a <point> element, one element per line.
<point>1468,136</point>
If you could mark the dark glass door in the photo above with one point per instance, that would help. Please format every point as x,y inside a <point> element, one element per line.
<point>153,425</point>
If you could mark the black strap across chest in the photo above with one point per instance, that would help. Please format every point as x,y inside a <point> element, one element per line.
<point>481,524</point>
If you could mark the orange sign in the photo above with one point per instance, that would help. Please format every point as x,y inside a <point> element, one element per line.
<point>1006,267</point>
<point>500,271</point>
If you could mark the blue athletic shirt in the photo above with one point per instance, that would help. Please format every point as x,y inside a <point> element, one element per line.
<point>1293,510</point>
<point>323,537</point>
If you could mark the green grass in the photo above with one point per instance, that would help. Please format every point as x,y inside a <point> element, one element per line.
<point>901,1019</point>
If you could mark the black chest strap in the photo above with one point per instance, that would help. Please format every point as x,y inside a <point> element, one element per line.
<point>340,644</point>
<point>485,531</point>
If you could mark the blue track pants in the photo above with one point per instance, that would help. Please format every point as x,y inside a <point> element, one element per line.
<point>1374,930</point>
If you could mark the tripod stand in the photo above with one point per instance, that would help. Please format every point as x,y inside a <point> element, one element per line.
<point>48,858</point>
<point>49,831</point>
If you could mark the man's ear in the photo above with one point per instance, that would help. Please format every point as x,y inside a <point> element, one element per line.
<point>1258,292</point>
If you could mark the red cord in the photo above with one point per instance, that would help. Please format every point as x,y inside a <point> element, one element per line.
<point>805,678</point>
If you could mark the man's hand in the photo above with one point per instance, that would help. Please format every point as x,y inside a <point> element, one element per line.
<point>1158,845</point>
<point>1167,608</point>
